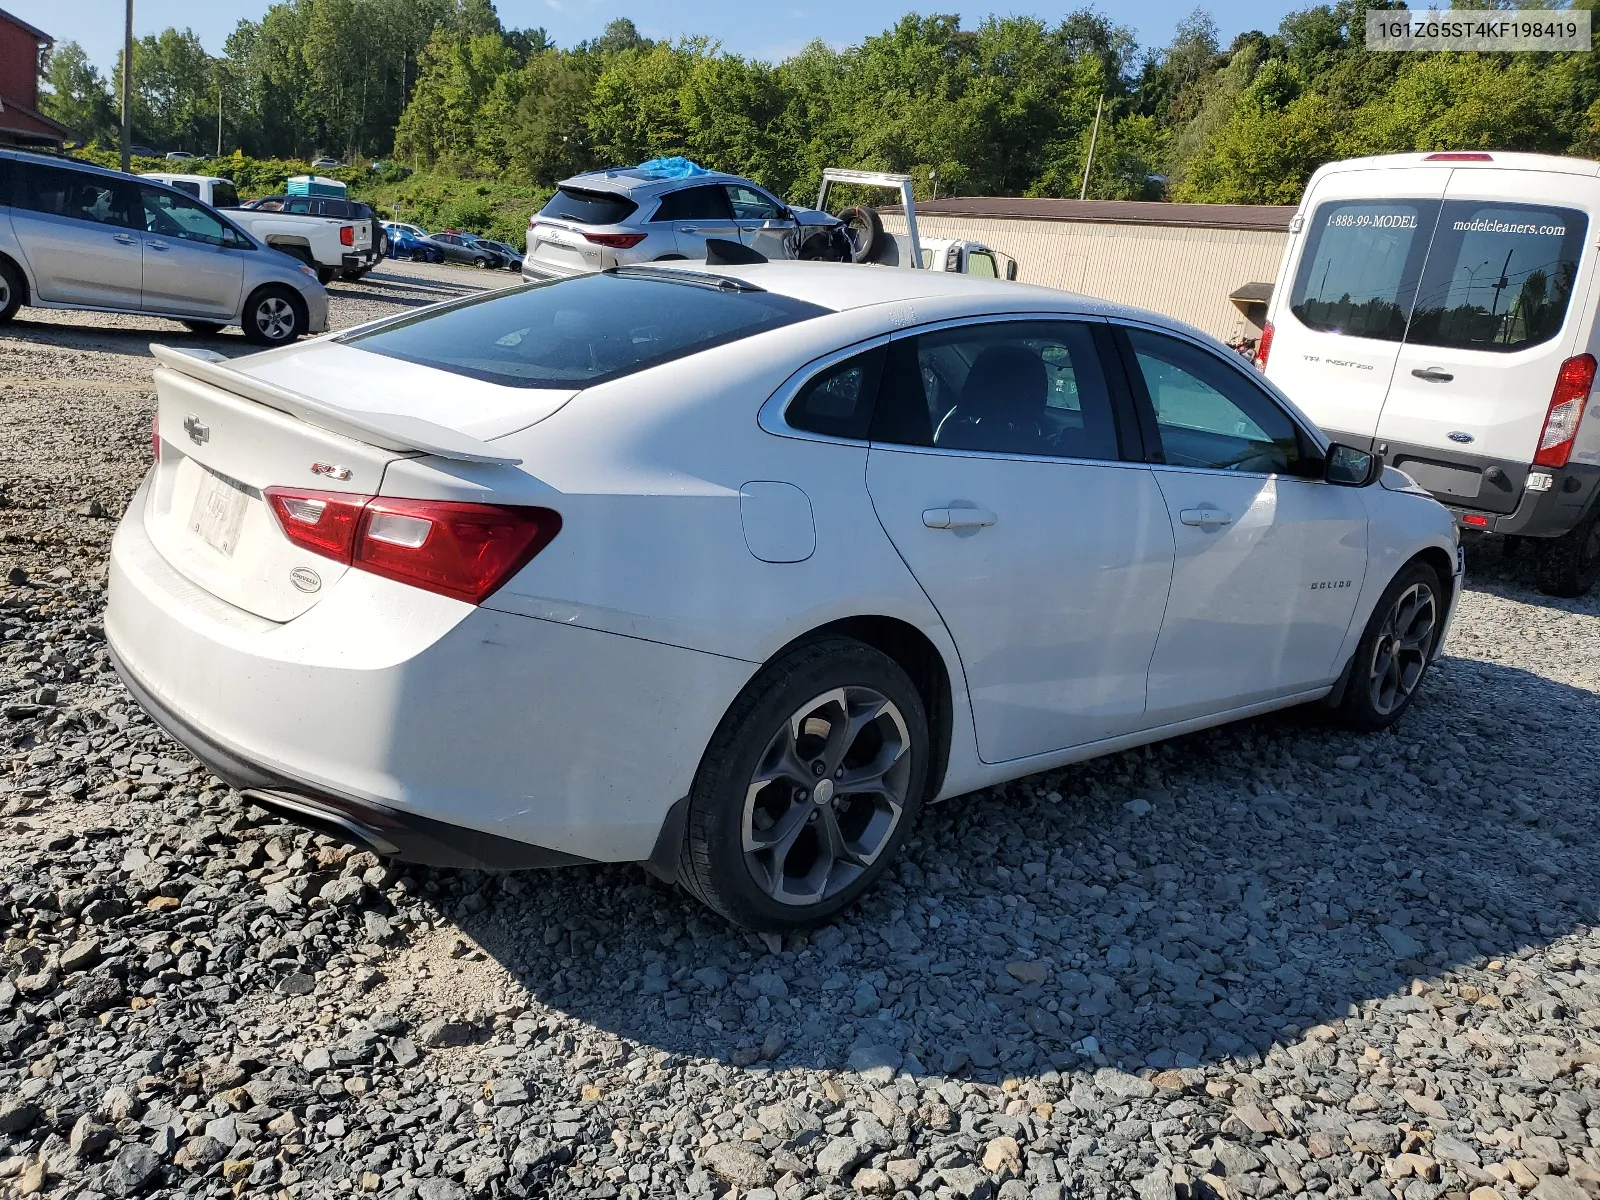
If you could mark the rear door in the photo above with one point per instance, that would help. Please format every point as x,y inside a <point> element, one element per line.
<point>191,265</point>
<point>997,471</point>
<point>1350,278</point>
<point>1493,321</point>
<point>79,233</point>
<point>695,214</point>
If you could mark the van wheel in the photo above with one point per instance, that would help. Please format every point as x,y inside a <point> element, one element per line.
<point>1570,564</point>
<point>1395,650</point>
<point>808,789</point>
<point>273,316</point>
<point>11,291</point>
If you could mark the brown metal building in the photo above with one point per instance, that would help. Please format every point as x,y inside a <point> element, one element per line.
<point>1211,265</point>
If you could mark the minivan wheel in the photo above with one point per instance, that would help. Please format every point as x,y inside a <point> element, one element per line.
<point>1395,650</point>
<point>11,290</point>
<point>808,789</point>
<point>273,316</point>
<point>1570,564</point>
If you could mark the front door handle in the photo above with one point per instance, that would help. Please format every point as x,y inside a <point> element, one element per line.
<point>1433,374</point>
<point>957,518</point>
<point>1205,518</point>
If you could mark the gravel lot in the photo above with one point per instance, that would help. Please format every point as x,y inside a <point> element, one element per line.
<point>1268,960</point>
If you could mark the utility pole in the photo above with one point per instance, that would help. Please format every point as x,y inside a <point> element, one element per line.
<point>219,108</point>
<point>127,84</point>
<point>1094,136</point>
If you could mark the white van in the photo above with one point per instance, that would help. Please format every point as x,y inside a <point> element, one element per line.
<point>208,189</point>
<point>1440,308</point>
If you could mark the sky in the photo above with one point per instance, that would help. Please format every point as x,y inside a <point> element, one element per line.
<point>769,30</point>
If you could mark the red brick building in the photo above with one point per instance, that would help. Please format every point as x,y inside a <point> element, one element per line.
<point>21,123</point>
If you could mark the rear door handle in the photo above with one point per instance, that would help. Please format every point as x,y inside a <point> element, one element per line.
<point>1205,518</point>
<point>1433,374</point>
<point>125,239</point>
<point>156,245</point>
<point>957,518</point>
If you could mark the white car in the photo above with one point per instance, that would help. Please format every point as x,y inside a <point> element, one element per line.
<point>730,572</point>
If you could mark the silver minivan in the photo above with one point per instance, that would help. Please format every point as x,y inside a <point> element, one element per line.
<point>77,236</point>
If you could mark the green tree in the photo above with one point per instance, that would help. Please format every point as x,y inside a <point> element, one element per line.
<point>75,94</point>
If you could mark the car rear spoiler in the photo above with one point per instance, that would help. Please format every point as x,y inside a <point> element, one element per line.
<point>389,431</point>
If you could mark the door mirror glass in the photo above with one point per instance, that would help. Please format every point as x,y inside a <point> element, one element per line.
<point>1349,467</point>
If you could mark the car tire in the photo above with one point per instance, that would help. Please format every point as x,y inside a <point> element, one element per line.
<point>1568,566</point>
<point>12,290</point>
<point>325,275</point>
<point>273,316</point>
<point>480,262</point>
<point>827,245</point>
<point>1395,650</point>
<point>759,845</point>
<point>203,327</point>
<point>863,228</point>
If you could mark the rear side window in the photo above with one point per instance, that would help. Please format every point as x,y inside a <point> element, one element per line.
<point>223,195</point>
<point>588,208</point>
<point>1499,276</point>
<point>694,204</point>
<point>1003,387</point>
<point>838,402</point>
<point>574,333</point>
<point>77,195</point>
<point>188,187</point>
<point>1361,266</point>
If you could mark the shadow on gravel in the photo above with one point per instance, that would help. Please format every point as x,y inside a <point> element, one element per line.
<point>129,341</point>
<point>1166,907</point>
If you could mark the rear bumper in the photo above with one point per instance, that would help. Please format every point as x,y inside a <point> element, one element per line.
<point>354,262</point>
<point>450,732</point>
<point>1498,499</point>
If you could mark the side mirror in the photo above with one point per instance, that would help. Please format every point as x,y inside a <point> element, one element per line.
<point>1348,467</point>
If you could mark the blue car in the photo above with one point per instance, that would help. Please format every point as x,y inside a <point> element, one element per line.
<point>404,243</point>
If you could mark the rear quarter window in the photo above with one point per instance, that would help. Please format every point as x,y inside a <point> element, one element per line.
<point>1499,276</point>
<point>588,208</point>
<point>575,333</point>
<point>1359,272</point>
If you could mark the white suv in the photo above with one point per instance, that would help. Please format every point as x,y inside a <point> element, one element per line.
<point>1440,308</point>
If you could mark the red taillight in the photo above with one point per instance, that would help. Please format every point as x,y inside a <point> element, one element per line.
<point>1460,156</point>
<point>1571,393</point>
<point>155,436</point>
<point>347,235</point>
<point>324,523</point>
<point>617,241</point>
<point>456,549</point>
<point>1476,520</point>
<point>1264,347</point>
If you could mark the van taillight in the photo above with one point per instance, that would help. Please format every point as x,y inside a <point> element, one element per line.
<point>347,235</point>
<point>456,549</point>
<point>1571,393</point>
<point>1264,346</point>
<point>1460,156</point>
<point>155,436</point>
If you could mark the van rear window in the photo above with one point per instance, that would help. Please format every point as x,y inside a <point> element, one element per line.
<point>1361,266</point>
<point>575,333</point>
<point>588,208</point>
<point>1499,276</point>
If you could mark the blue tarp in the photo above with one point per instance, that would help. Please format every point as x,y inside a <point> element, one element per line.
<point>671,168</point>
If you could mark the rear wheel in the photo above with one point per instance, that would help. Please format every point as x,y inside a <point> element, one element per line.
<point>808,789</point>
<point>1570,564</point>
<point>11,291</point>
<point>203,326</point>
<point>480,262</point>
<point>1395,650</point>
<point>273,316</point>
<point>419,256</point>
<point>325,275</point>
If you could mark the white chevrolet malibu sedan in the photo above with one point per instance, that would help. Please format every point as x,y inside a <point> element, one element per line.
<point>730,569</point>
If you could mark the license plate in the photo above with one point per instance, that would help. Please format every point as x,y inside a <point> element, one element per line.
<point>218,512</point>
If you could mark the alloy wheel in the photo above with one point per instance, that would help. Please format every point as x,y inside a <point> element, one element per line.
<point>827,795</point>
<point>275,318</point>
<point>1400,654</point>
<point>5,291</point>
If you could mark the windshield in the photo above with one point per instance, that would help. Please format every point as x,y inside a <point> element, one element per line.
<point>574,333</point>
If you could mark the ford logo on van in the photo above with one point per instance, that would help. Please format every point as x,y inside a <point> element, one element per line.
<point>1455,435</point>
